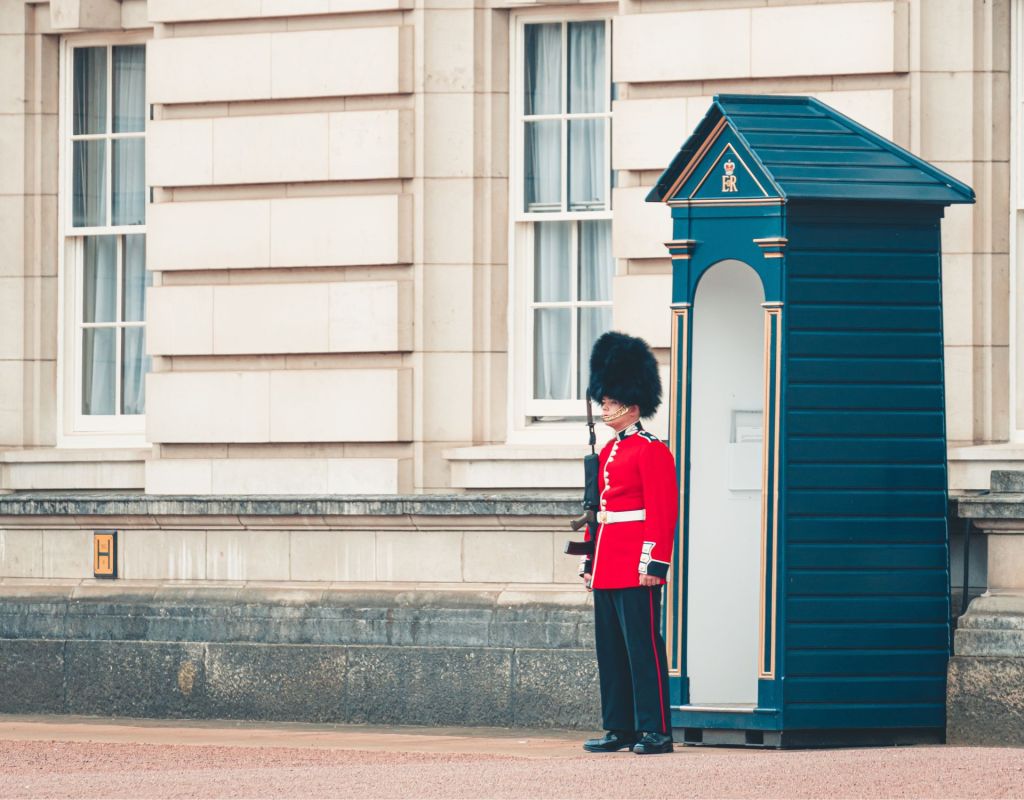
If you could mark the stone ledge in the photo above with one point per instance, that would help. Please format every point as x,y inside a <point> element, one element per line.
<point>62,505</point>
<point>403,615</point>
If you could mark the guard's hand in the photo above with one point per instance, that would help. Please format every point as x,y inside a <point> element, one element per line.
<point>649,580</point>
<point>587,580</point>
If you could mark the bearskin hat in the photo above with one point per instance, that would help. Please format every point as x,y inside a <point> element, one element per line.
<point>623,368</point>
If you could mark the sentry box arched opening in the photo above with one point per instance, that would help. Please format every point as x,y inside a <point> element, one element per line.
<point>809,602</point>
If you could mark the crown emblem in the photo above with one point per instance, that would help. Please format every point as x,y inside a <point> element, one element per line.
<point>729,167</point>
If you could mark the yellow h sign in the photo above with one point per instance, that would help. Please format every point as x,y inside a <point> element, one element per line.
<point>104,554</point>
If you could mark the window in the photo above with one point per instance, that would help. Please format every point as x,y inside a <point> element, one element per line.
<point>103,207</point>
<point>562,248</point>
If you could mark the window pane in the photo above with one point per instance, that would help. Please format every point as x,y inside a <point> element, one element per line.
<point>596,265</point>
<point>543,69</point>
<point>593,322</point>
<point>99,279</point>
<point>552,280</point>
<point>587,93</point>
<point>136,279</point>
<point>133,371</point>
<point>587,176</point>
<point>98,370</point>
<point>129,201</point>
<point>543,174</point>
<point>89,207</point>
<point>90,90</point>
<point>129,88</point>
<point>552,357</point>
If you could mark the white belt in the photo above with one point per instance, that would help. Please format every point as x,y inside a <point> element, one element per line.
<point>622,516</point>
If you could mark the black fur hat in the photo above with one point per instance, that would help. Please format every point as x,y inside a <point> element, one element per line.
<point>623,368</point>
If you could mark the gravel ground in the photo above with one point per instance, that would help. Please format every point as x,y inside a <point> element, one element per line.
<point>99,759</point>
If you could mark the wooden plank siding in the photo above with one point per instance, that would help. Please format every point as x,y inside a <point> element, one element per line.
<point>865,636</point>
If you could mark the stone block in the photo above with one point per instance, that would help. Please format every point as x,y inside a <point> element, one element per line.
<point>31,676</point>
<point>449,122</point>
<point>507,557</point>
<point>208,235</point>
<point>340,231</point>
<point>247,555</point>
<point>947,36</point>
<point>369,316</point>
<point>642,307</point>
<point>342,62</point>
<point>366,145</point>
<point>437,686</point>
<point>945,136</point>
<point>277,318</point>
<point>847,39</point>
<point>305,405</point>
<point>13,146</point>
<point>556,689</point>
<point>985,701</point>
<point>189,10</point>
<point>12,67</point>
<point>12,232</point>
<point>447,309</point>
<point>179,320</point>
<point>333,556</point>
<point>208,407</point>
<point>179,476</point>
<point>163,555</point>
<point>21,554</point>
<point>362,475</point>
<point>448,397</point>
<point>270,148</point>
<point>449,208</point>
<point>648,133</point>
<point>641,44</point>
<point>12,318</point>
<point>1006,565</point>
<point>434,557</point>
<point>202,69</point>
<point>450,55</point>
<point>67,554</point>
<point>639,229</point>
<point>135,679</point>
<point>872,108</point>
<point>272,476</point>
<point>179,152</point>
<point>261,682</point>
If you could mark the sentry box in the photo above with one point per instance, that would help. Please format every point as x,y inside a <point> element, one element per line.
<point>809,602</point>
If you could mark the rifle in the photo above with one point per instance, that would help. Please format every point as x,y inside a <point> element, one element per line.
<point>591,499</point>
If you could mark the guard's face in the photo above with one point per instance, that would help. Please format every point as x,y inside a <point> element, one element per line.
<point>612,410</point>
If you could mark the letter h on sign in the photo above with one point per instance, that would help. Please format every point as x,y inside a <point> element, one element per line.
<point>104,554</point>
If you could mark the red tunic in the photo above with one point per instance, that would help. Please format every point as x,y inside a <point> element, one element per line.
<point>637,472</point>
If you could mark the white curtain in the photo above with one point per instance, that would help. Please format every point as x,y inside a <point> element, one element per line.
<point>543,139</point>
<point>597,268</point>
<point>99,295</point>
<point>552,330</point>
<point>129,88</point>
<point>135,361</point>
<point>89,179</point>
<point>586,136</point>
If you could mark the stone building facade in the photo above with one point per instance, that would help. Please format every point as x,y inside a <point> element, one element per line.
<point>360,247</point>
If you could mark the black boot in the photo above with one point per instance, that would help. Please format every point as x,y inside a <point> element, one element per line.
<point>611,742</point>
<point>653,743</point>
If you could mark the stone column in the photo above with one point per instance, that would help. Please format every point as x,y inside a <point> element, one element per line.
<point>985,690</point>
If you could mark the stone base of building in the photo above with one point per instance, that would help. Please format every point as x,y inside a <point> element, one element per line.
<point>398,655</point>
<point>985,689</point>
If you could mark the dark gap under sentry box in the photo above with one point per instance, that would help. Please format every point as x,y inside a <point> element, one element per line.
<point>104,554</point>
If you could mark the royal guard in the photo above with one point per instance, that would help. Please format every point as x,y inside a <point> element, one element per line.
<point>636,521</point>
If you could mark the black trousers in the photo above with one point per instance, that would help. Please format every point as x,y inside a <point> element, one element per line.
<point>631,659</point>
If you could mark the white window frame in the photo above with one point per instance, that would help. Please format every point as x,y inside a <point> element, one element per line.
<point>75,429</point>
<point>523,409</point>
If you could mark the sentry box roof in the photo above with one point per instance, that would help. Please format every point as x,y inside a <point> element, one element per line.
<point>801,149</point>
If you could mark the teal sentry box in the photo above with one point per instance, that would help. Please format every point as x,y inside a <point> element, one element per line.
<point>809,602</point>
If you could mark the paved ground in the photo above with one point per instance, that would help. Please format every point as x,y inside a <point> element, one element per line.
<point>73,757</point>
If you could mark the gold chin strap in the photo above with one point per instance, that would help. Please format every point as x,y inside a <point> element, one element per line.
<point>623,410</point>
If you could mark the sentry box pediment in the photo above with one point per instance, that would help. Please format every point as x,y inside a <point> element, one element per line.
<point>809,600</point>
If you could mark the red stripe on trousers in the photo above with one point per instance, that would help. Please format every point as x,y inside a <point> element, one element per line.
<point>657,661</point>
